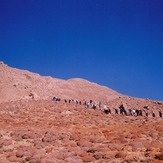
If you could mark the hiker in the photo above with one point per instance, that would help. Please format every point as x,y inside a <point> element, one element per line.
<point>160,113</point>
<point>109,110</point>
<point>94,106</point>
<point>140,112</point>
<point>130,112</point>
<point>146,113</point>
<point>100,104</point>
<point>106,109</point>
<point>122,110</point>
<point>134,112</point>
<point>137,112</point>
<point>153,114</point>
<point>88,105</point>
<point>54,98</point>
<point>116,110</point>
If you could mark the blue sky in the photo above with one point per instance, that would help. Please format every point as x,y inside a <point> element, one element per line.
<point>116,43</point>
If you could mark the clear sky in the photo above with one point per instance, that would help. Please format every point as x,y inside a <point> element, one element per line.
<point>115,43</point>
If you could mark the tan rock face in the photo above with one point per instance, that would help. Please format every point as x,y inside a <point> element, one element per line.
<point>18,84</point>
<point>33,128</point>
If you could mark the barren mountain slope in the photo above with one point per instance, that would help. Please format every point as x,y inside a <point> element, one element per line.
<point>42,130</point>
<point>58,132</point>
<point>20,84</point>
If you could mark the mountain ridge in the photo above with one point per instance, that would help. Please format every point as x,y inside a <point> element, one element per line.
<point>20,83</point>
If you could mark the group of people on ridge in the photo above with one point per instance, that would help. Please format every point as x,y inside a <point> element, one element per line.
<point>122,110</point>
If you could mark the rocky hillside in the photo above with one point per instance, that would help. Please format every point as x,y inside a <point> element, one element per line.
<point>43,131</point>
<point>18,84</point>
<point>36,129</point>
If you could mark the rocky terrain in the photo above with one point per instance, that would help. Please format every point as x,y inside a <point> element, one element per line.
<point>36,129</point>
<point>18,84</point>
<point>56,132</point>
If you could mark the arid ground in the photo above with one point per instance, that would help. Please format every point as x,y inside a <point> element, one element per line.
<point>36,129</point>
<point>47,132</point>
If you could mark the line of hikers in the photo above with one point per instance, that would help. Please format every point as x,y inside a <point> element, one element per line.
<point>122,111</point>
<point>107,110</point>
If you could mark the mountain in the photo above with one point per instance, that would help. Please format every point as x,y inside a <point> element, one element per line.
<point>33,128</point>
<point>18,84</point>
